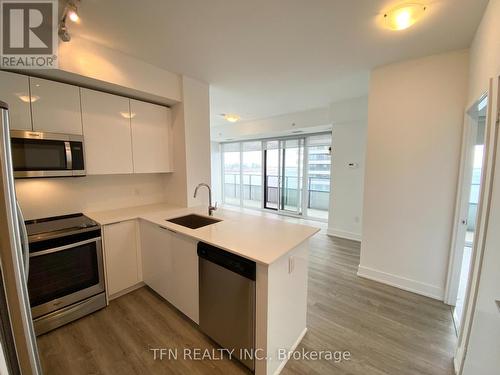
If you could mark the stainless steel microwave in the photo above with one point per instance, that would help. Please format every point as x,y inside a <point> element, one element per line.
<point>38,154</point>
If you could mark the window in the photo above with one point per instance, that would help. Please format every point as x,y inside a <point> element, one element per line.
<point>251,170</point>
<point>318,175</point>
<point>290,174</point>
<point>231,172</point>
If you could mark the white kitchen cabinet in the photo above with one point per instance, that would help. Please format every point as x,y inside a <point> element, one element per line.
<point>185,275</point>
<point>151,137</point>
<point>122,256</point>
<point>55,107</point>
<point>170,267</point>
<point>156,258</point>
<point>106,128</point>
<point>15,91</point>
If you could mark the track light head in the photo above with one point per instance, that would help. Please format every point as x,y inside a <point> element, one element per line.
<point>70,12</point>
<point>63,32</point>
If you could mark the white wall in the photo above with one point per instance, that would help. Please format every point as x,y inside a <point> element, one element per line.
<point>349,118</point>
<point>485,52</point>
<point>415,120</point>
<point>191,145</point>
<point>176,183</point>
<point>45,197</point>
<point>215,156</point>
<point>484,346</point>
<point>85,58</point>
<point>312,120</point>
<point>197,132</point>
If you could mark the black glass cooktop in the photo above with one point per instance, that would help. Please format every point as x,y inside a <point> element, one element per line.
<point>58,226</point>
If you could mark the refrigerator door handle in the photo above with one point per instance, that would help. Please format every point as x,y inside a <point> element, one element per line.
<point>24,240</point>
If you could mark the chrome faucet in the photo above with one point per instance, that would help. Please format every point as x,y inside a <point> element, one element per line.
<point>211,208</point>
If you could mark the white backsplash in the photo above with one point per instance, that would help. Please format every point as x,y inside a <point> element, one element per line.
<point>47,197</point>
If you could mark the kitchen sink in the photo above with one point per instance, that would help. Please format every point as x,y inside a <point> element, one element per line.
<point>193,221</point>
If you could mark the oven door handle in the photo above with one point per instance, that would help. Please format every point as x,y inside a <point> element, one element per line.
<point>62,248</point>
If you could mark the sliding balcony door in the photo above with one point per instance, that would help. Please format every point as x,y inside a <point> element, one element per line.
<point>292,151</point>
<point>283,175</point>
<point>272,163</point>
<point>289,175</point>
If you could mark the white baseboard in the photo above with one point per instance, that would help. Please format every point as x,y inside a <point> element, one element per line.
<point>294,346</point>
<point>126,291</point>
<point>343,234</point>
<point>400,282</point>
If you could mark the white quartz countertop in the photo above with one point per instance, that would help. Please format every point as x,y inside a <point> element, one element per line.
<point>261,239</point>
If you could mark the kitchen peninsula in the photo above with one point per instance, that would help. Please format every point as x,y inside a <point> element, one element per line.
<point>142,247</point>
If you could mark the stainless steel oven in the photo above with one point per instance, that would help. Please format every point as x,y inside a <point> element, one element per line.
<point>38,154</point>
<point>66,277</point>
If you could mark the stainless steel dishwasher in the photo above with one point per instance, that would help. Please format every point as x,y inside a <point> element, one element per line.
<point>227,301</point>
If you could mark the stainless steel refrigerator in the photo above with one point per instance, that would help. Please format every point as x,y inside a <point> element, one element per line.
<point>18,340</point>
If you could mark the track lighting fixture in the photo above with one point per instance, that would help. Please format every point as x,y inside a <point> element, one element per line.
<point>70,12</point>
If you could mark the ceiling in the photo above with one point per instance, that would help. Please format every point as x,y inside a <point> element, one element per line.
<point>268,57</point>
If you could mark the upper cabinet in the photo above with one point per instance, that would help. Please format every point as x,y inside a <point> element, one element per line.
<point>14,90</point>
<point>106,128</point>
<point>55,107</point>
<point>151,137</point>
<point>121,135</point>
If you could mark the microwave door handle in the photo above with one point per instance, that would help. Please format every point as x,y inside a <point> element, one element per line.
<point>69,156</point>
<point>24,240</point>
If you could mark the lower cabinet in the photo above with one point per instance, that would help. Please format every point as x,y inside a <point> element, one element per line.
<point>170,267</point>
<point>184,276</point>
<point>123,269</point>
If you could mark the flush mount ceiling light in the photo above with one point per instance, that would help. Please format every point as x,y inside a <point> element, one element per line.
<point>231,117</point>
<point>70,12</point>
<point>403,16</point>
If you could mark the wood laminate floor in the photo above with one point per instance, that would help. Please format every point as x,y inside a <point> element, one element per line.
<point>386,330</point>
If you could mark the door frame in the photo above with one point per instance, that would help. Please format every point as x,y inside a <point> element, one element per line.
<point>301,142</point>
<point>492,133</point>
<point>458,242</point>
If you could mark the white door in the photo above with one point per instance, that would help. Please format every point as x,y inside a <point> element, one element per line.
<point>55,107</point>
<point>120,248</point>
<point>483,349</point>
<point>468,200</point>
<point>151,137</point>
<point>15,91</point>
<point>106,128</point>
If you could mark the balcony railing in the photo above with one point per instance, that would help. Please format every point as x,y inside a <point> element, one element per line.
<point>252,190</point>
